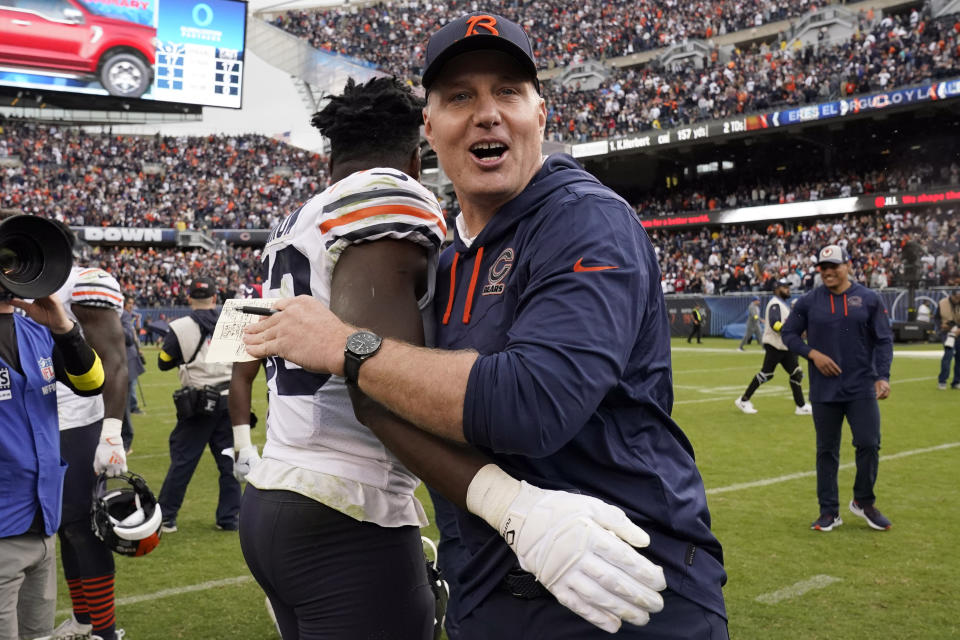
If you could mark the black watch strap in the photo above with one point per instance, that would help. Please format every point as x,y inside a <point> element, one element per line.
<point>360,347</point>
<point>351,367</point>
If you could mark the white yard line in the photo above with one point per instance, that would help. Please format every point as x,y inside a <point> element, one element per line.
<point>797,589</point>
<point>800,588</point>
<point>782,391</point>
<point>807,474</point>
<point>176,591</point>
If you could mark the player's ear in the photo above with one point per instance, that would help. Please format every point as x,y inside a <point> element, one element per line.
<point>414,163</point>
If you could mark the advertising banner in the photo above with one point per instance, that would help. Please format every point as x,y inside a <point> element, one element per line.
<point>760,121</point>
<point>126,235</point>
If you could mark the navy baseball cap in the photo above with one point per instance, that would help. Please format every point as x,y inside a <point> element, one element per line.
<point>474,32</point>
<point>202,288</point>
<point>783,282</point>
<point>832,254</point>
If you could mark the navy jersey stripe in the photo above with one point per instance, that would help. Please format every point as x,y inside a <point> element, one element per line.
<point>375,194</point>
<point>380,229</point>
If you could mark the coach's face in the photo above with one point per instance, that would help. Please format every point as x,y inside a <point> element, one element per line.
<point>485,120</point>
<point>834,276</point>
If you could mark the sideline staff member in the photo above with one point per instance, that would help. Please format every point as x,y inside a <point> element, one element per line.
<point>202,417</point>
<point>35,352</point>
<point>949,313</point>
<point>775,352</point>
<point>542,249</point>
<point>850,348</point>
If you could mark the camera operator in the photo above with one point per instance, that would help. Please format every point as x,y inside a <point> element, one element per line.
<point>202,417</point>
<point>949,312</point>
<point>36,351</point>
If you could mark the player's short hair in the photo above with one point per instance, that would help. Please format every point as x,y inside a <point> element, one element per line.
<point>377,119</point>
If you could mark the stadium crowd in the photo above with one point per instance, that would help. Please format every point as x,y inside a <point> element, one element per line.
<point>159,276</point>
<point>731,190</point>
<point>710,260</point>
<point>210,182</point>
<point>718,260</point>
<point>898,50</point>
<point>89,179</point>
<point>391,35</point>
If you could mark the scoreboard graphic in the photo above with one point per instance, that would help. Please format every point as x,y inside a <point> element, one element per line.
<point>181,51</point>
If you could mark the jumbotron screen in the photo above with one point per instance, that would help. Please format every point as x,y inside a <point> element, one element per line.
<point>181,51</point>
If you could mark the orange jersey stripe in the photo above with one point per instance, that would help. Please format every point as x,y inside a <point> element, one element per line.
<point>384,209</point>
<point>97,293</point>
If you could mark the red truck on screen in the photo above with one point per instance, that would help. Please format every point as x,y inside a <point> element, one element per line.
<point>69,38</point>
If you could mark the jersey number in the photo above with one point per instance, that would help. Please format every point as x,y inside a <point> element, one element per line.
<point>292,382</point>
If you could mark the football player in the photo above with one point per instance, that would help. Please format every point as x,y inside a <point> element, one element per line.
<point>91,444</point>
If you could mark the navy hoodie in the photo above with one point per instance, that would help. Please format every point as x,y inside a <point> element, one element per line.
<point>560,294</point>
<point>853,328</point>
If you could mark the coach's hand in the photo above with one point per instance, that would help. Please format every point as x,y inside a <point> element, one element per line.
<point>882,387</point>
<point>824,364</point>
<point>580,548</point>
<point>304,332</point>
<point>110,458</point>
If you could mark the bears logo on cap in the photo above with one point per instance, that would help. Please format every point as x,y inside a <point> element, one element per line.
<point>487,22</point>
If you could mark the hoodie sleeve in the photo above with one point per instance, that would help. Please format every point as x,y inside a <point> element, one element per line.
<point>883,339</point>
<point>590,269</point>
<point>794,327</point>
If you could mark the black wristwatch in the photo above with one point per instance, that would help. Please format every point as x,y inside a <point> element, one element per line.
<point>361,346</point>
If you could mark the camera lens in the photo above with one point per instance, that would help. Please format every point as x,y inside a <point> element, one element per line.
<point>21,259</point>
<point>29,269</point>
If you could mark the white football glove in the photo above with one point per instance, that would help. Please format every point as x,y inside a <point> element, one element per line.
<point>247,456</point>
<point>580,548</point>
<point>110,458</point>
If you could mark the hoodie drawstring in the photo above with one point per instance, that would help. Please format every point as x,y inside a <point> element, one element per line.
<point>453,288</point>
<point>468,306</point>
<point>833,309</point>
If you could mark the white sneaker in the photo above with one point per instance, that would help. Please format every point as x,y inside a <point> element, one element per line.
<point>805,410</point>
<point>70,629</point>
<point>744,405</point>
<point>118,634</point>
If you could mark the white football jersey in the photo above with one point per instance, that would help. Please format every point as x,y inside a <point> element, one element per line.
<point>95,288</point>
<point>315,445</point>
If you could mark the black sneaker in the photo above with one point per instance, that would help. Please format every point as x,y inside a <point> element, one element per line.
<point>872,515</point>
<point>168,526</point>
<point>826,522</point>
<point>228,526</point>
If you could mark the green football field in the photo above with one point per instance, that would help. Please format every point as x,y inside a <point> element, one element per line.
<point>785,581</point>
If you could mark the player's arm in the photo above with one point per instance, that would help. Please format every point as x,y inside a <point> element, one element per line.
<point>561,538</point>
<point>104,331</point>
<point>375,285</point>
<point>239,401</point>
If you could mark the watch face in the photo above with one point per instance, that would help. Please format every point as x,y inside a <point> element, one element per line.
<point>363,343</point>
